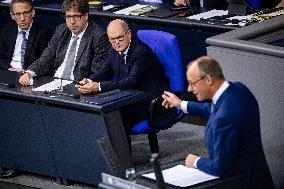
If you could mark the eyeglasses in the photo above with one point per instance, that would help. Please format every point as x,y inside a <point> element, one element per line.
<point>193,84</point>
<point>119,38</point>
<point>75,17</point>
<point>25,13</point>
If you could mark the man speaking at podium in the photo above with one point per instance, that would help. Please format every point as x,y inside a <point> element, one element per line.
<point>232,133</point>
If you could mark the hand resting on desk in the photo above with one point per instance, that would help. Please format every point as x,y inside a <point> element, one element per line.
<point>87,86</point>
<point>26,79</point>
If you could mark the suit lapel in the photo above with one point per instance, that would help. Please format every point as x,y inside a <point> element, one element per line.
<point>64,46</point>
<point>83,43</point>
<point>30,40</point>
<point>14,35</point>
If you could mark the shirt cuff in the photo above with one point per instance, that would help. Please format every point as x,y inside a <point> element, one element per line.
<point>100,89</point>
<point>183,106</point>
<point>33,74</point>
<point>195,162</point>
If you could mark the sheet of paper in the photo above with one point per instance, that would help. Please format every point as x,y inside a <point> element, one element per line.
<point>182,176</point>
<point>6,1</point>
<point>208,14</point>
<point>53,85</point>
<point>128,10</point>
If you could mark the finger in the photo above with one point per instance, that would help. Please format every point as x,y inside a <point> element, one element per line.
<point>83,81</point>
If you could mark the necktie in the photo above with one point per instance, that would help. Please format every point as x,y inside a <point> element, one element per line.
<point>23,48</point>
<point>122,66</point>
<point>70,59</point>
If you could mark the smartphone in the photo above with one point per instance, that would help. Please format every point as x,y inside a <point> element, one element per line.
<point>179,8</point>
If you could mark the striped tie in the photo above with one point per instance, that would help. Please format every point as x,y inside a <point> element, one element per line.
<point>23,48</point>
<point>70,60</point>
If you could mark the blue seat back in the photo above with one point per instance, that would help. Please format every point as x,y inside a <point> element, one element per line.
<point>255,4</point>
<point>166,48</point>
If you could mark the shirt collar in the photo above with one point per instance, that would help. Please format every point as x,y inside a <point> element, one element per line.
<point>126,50</point>
<point>220,91</point>
<point>80,35</point>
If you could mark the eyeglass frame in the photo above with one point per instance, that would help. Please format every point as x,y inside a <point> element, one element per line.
<point>193,84</point>
<point>119,38</point>
<point>25,13</point>
<point>76,17</point>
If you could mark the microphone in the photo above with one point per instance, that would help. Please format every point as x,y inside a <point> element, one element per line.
<point>157,170</point>
<point>10,85</point>
<point>74,96</point>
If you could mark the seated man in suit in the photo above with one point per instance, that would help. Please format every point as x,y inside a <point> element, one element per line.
<point>233,128</point>
<point>76,50</point>
<point>23,41</point>
<point>133,65</point>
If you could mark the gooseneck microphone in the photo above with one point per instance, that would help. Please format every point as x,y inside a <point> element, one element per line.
<point>157,170</point>
<point>10,85</point>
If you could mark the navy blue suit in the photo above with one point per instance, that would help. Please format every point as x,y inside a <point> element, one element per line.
<point>233,138</point>
<point>142,72</point>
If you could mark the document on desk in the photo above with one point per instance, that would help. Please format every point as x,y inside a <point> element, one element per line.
<point>183,176</point>
<point>136,10</point>
<point>53,85</point>
<point>6,1</point>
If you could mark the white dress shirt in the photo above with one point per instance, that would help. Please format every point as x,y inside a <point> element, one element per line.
<point>61,68</point>
<point>16,59</point>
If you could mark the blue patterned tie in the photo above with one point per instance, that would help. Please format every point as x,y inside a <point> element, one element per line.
<point>23,48</point>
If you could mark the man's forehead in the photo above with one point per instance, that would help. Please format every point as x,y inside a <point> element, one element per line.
<point>21,5</point>
<point>72,11</point>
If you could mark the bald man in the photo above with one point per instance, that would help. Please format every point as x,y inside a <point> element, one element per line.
<point>233,128</point>
<point>134,66</point>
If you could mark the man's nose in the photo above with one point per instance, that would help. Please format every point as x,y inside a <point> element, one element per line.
<point>189,88</point>
<point>22,18</point>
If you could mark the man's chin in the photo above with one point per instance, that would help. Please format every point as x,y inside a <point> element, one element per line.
<point>23,27</point>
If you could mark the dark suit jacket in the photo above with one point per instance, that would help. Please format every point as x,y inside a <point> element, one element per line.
<point>233,138</point>
<point>37,42</point>
<point>91,54</point>
<point>143,72</point>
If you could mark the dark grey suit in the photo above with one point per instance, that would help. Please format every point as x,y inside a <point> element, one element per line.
<point>92,52</point>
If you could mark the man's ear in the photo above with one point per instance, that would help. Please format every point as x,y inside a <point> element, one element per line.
<point>33,13</point>
<point>209,79</point>
<point>12,16</point>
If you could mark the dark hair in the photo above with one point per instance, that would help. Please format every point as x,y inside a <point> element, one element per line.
<point>13,2</point>
<point>81,6</point>
<point>209,66</point>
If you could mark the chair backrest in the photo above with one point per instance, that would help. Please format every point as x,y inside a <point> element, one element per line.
<point>166,48</point>
<point>255,4</point>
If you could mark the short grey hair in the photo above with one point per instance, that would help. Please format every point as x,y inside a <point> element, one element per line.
<point>123,24</point>
<point>208,66</point>
<point>13,2</point>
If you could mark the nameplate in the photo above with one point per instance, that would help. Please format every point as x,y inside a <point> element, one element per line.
<point>120,183</point>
